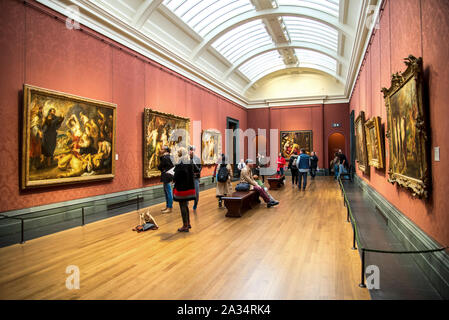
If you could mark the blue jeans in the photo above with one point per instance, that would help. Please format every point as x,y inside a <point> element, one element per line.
<point>168,195</point>
<point>197,193</point>
<point>341,170</point>
<point>336,174</point>
<point>301,176</point>
<point>281,171</point>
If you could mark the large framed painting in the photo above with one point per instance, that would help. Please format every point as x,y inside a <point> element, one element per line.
<point>292,141</point>
<point>362,155</point>
<point>210,146</point>
<point>375,142</point>
<point>407,130</point>
<point>162,129</point>
<point>66,138</point>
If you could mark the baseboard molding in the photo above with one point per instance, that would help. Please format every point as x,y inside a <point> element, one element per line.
<point>434,265</point>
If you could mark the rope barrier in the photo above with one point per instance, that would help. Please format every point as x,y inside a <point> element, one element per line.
<point>362,248</point>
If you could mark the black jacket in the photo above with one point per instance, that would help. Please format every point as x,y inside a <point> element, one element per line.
<point>196,164</point>
<point>184,189</point>
<point>165,164</point>
<point>314,162</point>
<point>292,160</point>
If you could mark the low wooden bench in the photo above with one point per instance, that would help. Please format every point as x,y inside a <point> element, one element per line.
<point>240,201</point>
<point>276,182</point>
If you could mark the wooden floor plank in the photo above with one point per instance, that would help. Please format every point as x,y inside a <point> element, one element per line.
<point>297,250</point>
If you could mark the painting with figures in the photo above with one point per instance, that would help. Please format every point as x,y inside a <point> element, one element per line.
<point>294,141</point>
<point>210,146</point>
<point>162,129</point>
<point>66,138</point>
<point>408,129</point>
<point>361,150</point>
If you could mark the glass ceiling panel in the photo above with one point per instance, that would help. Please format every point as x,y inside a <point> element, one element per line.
<point>242,40</point>
<point>204,15</point>
<point>262,65</point>
<point>329,6</point>
<point>308,58</point>
<point>302,29</point>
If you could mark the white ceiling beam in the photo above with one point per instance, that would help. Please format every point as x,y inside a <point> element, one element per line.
<point>292,11</point>
<point>144,12</point>
<point>293,45</point>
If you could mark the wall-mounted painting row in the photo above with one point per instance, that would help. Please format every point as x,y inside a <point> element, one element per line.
<point>375,143</point>
<point>66,138</point>
<point>294,141</point>
<point>407,131</point>
<point>361,150</point>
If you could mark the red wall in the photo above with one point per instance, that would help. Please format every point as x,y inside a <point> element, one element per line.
<point>420,28</point>
<point>38,49</point>
<point>318,118</point>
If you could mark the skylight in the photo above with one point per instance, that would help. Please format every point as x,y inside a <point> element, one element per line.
<point>204,15</point>
<point>262,65</point>
<point>329,6</point>
<point>302,29</point>
<point>312,59</point>
<point>242,40</point>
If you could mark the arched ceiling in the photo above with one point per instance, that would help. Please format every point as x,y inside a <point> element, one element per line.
<point>236,43</point>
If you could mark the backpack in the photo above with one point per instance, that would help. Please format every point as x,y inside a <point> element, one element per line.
<point>294,162</point>
<point>222,174</point>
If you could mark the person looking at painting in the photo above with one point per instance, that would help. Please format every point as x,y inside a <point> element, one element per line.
<point>184,189</point>
<point>313,164</point>
<point>281,164</point>
<point>247,177</point>
<point>49,134</point>
<point>294,168</point>
<point>303,164</point>
<point>165,164</point>
<point>196,163</point>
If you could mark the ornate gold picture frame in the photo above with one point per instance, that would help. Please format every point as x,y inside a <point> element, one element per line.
<point>162,129</point>
<point>407,131</point>
<point>362,154</point>
<point>66,138</point>
<point>211,148</point>
<point>292,141</point>
<point>375,142</point>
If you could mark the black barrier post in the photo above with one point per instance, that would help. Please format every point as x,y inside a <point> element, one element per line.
<point>362,284</point>
<point>353,239</point>
<point>22,231</point>
<point>347,218</point>
<point>82,216</point>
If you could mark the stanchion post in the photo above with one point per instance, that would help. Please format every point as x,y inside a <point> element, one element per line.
<point>362,283</point>
<point>353,238</point>
<point>82,216</point>
<point>347,217</point>
<point>22,240</point>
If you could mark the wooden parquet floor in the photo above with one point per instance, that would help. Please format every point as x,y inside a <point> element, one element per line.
<point>297,250</point>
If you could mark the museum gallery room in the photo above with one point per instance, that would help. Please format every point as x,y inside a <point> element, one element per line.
<point>224,150</point>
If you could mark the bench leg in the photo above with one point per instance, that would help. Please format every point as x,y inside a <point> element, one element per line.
<point>234,208</point>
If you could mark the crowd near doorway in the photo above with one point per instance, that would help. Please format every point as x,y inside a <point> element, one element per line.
<point>336,141</point>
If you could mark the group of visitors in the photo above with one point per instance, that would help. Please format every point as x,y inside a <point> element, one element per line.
<point>186,177</point>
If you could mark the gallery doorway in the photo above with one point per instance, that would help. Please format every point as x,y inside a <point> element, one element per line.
<point>336,141</point>
<point>233,125</point>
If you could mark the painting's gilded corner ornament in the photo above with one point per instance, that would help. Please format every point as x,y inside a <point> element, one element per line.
<point>407,130</point>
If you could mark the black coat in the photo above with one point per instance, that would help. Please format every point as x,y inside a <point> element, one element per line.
<point>184,189</point>
<point>313,162</point>
<point>165,164</point>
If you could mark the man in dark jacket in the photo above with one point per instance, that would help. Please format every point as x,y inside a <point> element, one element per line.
<point>313,164</point>
<point>303,164</point>
<point>49,134</point>
<point>196,164</point>
<point>165,164</point>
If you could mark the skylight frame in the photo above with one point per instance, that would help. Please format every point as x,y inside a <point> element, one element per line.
<point>308,58</point>
<point>331,7</point>
<point>262,65</point>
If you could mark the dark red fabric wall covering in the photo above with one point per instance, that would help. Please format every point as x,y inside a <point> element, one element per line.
<point>38,49</point>
<point>420,28</point>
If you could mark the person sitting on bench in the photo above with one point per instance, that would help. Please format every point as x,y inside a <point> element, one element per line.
<point>247,177</point>
<point>262,185</point>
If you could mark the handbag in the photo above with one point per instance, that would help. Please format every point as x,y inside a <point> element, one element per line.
<point>242,186</point>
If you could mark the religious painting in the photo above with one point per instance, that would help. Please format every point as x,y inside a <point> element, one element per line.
<point>66,138</point>
<point>210,146</point>
<point>362,154</point>
<point>374,143</point>
<point>162,129</point>
<point>407,130</point>
<point>294,141</point>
